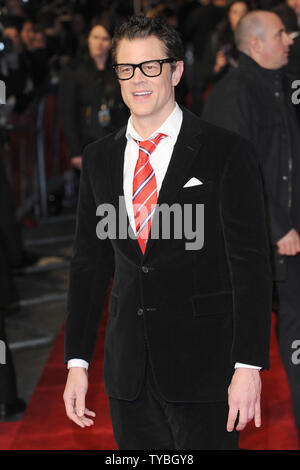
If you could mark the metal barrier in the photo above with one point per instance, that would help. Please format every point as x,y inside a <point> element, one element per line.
<point>36,156</point>
<point>37,163</point>
<point>40,154</point>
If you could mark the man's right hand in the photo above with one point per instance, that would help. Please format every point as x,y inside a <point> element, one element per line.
<point>74,397</point>
<point>289,245</point>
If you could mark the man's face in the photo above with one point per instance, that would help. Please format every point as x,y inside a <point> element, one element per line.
<point>148,97</point>
<point>274,49</point>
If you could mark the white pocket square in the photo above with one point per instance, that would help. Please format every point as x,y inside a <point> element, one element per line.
<point>192,182</point>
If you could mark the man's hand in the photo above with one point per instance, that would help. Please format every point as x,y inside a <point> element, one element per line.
<point>244,397</point>
<point>74,397</point>
<point>289,245</point>
<point>76,162</point>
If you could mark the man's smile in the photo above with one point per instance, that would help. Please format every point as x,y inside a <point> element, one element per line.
<point>142,93</point>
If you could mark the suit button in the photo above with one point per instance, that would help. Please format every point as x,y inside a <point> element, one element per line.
<point>145,269</point>
<point>140,312</point>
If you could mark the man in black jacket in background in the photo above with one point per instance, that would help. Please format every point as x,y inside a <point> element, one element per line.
<point>11,254</point>
<point>255,100</point>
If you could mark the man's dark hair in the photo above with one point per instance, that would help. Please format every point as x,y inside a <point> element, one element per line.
<point>141,27</point>
<point>287,16</point>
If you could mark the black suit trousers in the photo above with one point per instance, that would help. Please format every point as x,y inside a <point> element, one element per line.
<point>150,422</point>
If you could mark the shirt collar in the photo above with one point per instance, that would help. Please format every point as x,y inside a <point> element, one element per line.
<point>170,127</point>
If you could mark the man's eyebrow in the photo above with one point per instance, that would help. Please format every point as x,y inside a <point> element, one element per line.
<point>279,32</point>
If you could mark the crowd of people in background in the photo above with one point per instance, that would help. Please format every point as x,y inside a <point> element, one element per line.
<point>42,41</point>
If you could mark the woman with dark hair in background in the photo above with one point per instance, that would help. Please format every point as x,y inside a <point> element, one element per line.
<point>90,99</point>
<point>220,52</point>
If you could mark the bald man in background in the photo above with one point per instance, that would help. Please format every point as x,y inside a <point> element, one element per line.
<point>255,101</point>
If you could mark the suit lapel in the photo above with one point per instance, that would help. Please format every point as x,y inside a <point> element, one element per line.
<point>185,150</point>
<point>116,165</point>
<point>116,174</point>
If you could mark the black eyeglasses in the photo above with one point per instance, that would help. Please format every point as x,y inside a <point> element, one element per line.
<point>150,68</point>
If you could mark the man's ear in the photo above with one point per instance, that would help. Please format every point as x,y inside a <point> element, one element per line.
<point>255,45</point>
<point>177,72</point>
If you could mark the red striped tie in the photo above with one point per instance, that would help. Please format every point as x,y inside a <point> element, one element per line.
<point>144,192</point>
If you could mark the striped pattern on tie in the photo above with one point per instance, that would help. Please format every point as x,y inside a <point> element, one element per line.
<point>144,191</point>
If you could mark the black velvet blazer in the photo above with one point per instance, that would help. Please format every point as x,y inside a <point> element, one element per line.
<point>193,312</point>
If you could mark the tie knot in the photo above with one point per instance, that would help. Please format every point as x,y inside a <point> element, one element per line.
<point>148,146</point>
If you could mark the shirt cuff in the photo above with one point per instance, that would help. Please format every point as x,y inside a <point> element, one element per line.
<point>82,363</point>
<point>239,365</point>
<point>78,363</point>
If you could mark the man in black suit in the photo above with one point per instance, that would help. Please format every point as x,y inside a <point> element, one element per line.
<point>256,101</point>
<point>11,254</point>
<point>189,322</point>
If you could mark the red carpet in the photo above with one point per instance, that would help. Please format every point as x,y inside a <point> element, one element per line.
<point>278,431</point>
<point>45,425</point>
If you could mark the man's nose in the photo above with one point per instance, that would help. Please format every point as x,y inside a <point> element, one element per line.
<point>287,39</point>
<point>138,75</point>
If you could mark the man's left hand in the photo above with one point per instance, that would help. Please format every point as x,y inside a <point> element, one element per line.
<point>244,397</point>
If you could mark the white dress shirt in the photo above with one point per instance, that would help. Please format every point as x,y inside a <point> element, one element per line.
<point>159,159</point>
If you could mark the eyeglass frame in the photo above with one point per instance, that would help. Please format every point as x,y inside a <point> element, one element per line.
<point>134,66</point>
